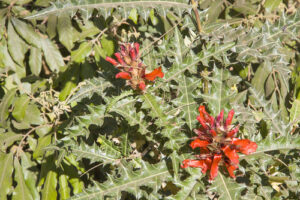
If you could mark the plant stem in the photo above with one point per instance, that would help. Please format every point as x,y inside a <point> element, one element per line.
<point>194,4</point>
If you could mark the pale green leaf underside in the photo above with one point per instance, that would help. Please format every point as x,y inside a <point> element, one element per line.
<point>72,6</point>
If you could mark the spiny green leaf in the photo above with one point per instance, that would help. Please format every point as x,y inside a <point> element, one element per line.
<point>105,153</point>
<point>89,88</point>
<point>277,124</point>
<point>125,108</point>
<point>151,175</point>
<point>187,65</point>
<point>270,144</point>
<point>220,93</point>
<point>73,6</point>
<point>227,188</point>
<point>151,102</point>
<point>295,112</point>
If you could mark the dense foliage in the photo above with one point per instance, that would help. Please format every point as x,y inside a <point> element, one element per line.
<point>71,127</point>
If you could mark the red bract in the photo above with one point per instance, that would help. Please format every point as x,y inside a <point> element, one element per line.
<point>132,68</point>
<point>217,144</point>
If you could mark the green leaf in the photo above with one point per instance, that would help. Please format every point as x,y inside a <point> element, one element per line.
<point>271,5</point>
<point>16,46</point>
<point>49,190</point>
<point>67,34</point>
<point>43,130</point>
<point>64,190</point>
<point>7,139</point>
<point>220,93</point>
<point>8,63</point>
<point>125,108</point>
<point>5,104</point>
<point>227,188</point>
<point>189,187</point>
<point>261,76</point>
<point>6,170</point>
<point>214,10</point>
<point>51,26</point>
<point>130,181</point>
<point>295,112</point>
<point>52,56</point>
<point>190,63</point>
<point>27,32</point>
<point>277,123</point>
<point>108,46</point>
<point>88,30</point>
<point>89,88</point>
<point>151,103</point>
<point>71,81</point>
<point>106,153</point>
<point>42,143</point>
<point>35,60</point>
<point>82,52</point>
<point>21,192</point>
<point>33,115</point>
<point>133,15</point>
<point>153,18</point>
<point>73,6</point>
<point>271,144</point>
<point>20,107</point>
<point>30,176</point>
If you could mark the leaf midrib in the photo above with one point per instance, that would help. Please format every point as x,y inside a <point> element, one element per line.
<point>109,5</point>
<point>93,154</point>
<point>127,184</point>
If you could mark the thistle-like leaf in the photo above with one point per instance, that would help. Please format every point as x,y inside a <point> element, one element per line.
<point>105,153</point>
<point>130,179</point>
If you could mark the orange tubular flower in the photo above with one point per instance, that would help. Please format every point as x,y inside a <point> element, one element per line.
<point>217,144</point>
<point>132,68</point>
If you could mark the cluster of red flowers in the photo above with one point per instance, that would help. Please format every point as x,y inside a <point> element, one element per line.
<point>217,144</point>
<point>132,68</point>
<point>215,137</point>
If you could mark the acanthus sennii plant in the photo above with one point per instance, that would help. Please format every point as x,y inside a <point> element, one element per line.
<point>71,128</point>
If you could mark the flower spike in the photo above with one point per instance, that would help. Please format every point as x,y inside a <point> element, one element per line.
<point>132,68</point>
<point>217,144</point>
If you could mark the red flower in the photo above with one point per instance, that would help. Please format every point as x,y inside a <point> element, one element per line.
<point>217,144</point>
<point>132,68</point>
